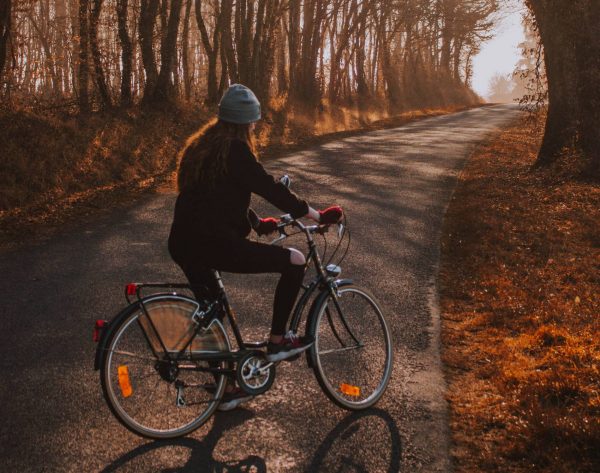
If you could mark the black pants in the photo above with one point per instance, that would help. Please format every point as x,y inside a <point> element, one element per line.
<point>239,255</point>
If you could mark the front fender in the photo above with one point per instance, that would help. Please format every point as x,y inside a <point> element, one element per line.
<point>314,310</point>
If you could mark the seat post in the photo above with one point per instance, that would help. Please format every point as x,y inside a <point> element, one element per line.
<point>229,311</point>
<point>217,275</point>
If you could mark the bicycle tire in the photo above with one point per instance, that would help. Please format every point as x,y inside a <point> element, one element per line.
<point>352,357</point>
<point>152,406</point>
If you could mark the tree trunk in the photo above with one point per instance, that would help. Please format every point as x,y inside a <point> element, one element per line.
<point>294,42</point>
<point>227,41</point>
<point>96,57</point>
<point>126,53</point>
<point>308,90</point>
<point>559,57</point>
<point>263,57</point>
<point>61,49</point>
<point>83,71</point>
<point>212,53</point>
<point>570,34</point>
<point>282,72</point>
<point>449,11</point>
<point>185,52</point>
<point>164,86</point>
<point>5,16</point>
<point>588,91</point>
<point>149,10</point>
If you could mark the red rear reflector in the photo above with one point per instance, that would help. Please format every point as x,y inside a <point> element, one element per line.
<point>131,289</point>
<point>98,327</point>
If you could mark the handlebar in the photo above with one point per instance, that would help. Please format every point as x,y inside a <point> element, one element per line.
<point>287,220</point>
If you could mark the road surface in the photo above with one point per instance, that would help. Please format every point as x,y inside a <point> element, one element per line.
<point>395,185</point>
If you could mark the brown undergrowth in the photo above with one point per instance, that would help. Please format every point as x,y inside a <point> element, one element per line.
<point>520,299</point>
<point>55,169</point>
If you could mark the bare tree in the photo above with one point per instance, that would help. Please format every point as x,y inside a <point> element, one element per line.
<point>570,34</point>
<point>96,56</point>
<point>403,53</point>
<point>5,17</point>
<point>147,22</point>
<point>126,53</point>
<point>83,66</point>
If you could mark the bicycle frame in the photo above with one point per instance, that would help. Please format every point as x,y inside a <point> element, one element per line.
<point>323,281</point>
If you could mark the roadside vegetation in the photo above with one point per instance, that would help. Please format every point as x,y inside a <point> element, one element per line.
<point>520,299</point>
<point>57,169</point>
<point>99,95</point>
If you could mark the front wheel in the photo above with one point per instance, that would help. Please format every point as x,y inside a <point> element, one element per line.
<point>352,354</point>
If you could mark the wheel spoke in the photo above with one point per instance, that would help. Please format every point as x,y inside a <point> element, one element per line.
<point>352,364</point>
<point>150,409</point>
<point>339,350</point>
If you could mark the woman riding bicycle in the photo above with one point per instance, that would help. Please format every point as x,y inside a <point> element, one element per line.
<point>217,174</point>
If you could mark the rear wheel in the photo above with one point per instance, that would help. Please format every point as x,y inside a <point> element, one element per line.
<point>151,395</point>
<point>352,353</point>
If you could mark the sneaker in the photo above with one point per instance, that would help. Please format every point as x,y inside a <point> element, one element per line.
<point>289,346</point>
<point>230,399</point>
<point>233,399</point>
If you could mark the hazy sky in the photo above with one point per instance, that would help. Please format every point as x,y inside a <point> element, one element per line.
<point>499,54</point>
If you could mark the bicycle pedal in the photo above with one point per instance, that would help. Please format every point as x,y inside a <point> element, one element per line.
<point>180,400</point>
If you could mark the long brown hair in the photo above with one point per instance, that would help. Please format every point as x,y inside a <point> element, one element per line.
<point>204,157</point>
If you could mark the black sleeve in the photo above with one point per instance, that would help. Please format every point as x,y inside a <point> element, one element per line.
<point>244,166</point>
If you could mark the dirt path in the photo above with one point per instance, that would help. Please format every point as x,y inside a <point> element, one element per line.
<point>394,184</point>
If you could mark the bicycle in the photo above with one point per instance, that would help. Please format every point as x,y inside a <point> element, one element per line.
<point>165,359</point>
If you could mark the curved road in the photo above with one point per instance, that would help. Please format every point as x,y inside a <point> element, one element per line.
<point>395,185</point>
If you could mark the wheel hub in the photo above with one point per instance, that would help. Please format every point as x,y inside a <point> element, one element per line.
<point>167,370</point>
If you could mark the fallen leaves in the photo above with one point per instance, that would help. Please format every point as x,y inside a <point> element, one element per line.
<point>520,300</point>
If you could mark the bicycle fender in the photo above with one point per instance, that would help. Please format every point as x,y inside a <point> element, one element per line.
<point>108,330</point>
<point>314,310</point>
<point>116,321</point>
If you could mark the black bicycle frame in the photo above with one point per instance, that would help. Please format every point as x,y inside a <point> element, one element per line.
<point>322,280</point>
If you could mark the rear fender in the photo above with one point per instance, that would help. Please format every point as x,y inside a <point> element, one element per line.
<point>108,329</point>
<point>116,322</point>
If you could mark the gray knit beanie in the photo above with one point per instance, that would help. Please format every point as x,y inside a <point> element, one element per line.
<point>239,105</point>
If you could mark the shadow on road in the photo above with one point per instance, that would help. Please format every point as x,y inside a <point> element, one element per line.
<point>201,452</point>
<point>339,452</point>
<point>345,448</point>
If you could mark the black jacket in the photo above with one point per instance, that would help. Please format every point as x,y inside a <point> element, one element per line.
<point>224,211</point>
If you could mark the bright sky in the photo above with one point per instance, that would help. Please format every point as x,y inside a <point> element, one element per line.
<point>501,53</point>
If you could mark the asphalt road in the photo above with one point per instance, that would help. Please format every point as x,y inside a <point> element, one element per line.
<point>395,185</point>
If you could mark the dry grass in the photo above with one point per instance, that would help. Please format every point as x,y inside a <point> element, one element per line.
<point>521,303</point>
<point>47,158</point>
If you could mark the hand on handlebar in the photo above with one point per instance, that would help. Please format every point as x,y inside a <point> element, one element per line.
<point>331,215</point>
<point>266,226</point>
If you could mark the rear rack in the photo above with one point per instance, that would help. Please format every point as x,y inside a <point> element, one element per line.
<point>135,288</point>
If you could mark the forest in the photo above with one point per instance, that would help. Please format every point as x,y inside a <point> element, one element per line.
<point>100,54</point>
<point>77,75</point>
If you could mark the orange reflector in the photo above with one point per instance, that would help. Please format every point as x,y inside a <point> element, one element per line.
<point>350,390</point>
<point>124,382</point>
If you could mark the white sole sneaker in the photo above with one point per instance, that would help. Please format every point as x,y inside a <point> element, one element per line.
<point>231,405</point>
<point>283,355</point>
